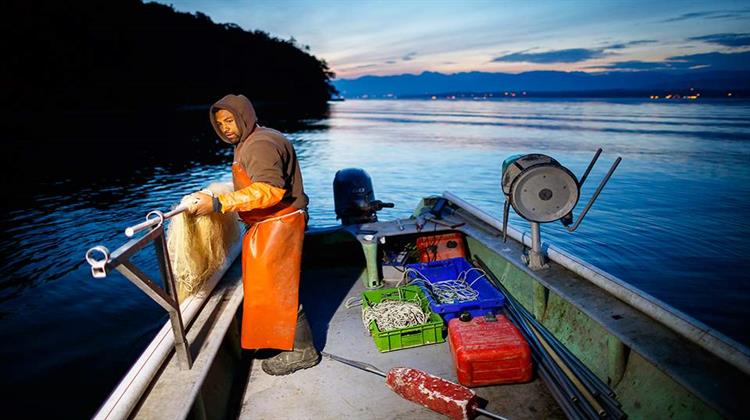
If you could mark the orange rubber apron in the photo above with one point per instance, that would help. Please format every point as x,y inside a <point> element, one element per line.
<point>271,262</point>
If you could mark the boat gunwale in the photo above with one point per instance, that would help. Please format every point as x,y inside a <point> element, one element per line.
<point>129,391</point>
<point>686,326</point>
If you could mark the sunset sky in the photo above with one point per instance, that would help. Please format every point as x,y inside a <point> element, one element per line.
<point>393,37</point>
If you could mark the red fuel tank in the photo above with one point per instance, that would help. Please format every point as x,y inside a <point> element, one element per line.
<point>489,351</point>
<point>441,247</point>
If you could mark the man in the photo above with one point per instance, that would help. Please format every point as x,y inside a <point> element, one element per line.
<point>270,198</point>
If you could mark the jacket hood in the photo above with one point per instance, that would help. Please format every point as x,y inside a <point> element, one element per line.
<point>244,115</point>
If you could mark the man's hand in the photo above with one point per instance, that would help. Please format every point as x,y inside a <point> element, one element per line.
<point>203,204</point>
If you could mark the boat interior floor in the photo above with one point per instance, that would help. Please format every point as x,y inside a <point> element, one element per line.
<point>332,390</point>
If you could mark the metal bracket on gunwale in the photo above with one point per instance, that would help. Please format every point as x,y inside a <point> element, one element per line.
<point>541,190</point>
<point>120,260</point>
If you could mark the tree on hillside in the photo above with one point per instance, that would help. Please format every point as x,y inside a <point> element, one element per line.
<point>127,55</point>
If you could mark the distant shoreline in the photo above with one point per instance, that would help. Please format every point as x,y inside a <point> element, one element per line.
<point>652,95</point>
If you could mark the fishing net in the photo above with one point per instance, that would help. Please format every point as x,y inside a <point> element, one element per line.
<point>199,245</point>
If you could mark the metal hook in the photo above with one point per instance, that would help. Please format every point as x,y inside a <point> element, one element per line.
<point>98,267</point>
<point>159,216</point>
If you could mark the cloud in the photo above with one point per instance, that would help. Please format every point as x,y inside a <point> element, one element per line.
<point>622,45</point>
<point>571,55</point>
<point>408,57</point>
<point>635,65</point>
<point>706,61</point>
<point>390,62</point>
<point>363,66</point>
<point>712,14</point>
<point>713,61</point>
<point>687,16</point>
<point>726,39</point>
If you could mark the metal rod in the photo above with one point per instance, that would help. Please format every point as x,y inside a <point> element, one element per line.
<point>545,361</point>
<point>540,356</point>
<point>537,259</point>
<point>446,224</point>
<point>591,165</point>
<point>143,282</point>
<point>565,404</point>
<point>129,248</point>
<point>601,387</point>
<point>181,344</point>
<point>564,392</point>
<point>593,384</point>
<point>506,210</point>
<point>132,230</point>
<point>596,194</point>
<point>598,386</point>
<point>544,357</point>
<point>569,373</point>
<point>489,414</point>
<point>359,365</point>
<point>536,238</point>
<point>600,398</point>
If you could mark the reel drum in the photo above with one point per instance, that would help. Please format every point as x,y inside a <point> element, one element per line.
<point>544,193</point>
<point>541,190</point>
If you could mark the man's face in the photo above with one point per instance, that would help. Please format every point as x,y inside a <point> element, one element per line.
<point>227,124</point>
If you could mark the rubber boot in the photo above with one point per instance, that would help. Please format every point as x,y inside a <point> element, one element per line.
<point>302,356</point>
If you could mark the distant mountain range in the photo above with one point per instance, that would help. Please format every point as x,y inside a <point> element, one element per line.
<point>547,82</point>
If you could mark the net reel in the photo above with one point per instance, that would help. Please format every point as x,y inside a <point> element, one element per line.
<point>541,190</point>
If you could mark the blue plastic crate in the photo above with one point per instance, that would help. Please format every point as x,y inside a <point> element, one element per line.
<point>490,299</point>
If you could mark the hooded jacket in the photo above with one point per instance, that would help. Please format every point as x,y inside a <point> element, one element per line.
<point>267,157</point>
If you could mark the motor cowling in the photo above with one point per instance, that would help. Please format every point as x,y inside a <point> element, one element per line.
<point>354,197</point>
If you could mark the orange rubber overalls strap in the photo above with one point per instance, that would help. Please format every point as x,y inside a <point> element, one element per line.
<point>271,261</point>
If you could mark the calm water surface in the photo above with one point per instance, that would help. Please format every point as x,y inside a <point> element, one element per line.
<point>671,221</point>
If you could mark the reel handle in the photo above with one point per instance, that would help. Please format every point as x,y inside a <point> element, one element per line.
<point>596,193</point>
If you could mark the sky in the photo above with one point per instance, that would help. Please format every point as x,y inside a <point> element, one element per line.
<point>389,37</point>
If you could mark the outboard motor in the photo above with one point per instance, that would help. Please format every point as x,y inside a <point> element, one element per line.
<point>354,197</point>
<point>541,190</point>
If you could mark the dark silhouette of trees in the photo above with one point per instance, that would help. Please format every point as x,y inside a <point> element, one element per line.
<point>64,58</point>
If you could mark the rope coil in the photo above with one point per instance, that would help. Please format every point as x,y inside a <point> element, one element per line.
<point>391,313</point>
<point>447,291</point>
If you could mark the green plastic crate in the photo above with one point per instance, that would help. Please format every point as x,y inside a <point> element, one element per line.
<point>428,333</point>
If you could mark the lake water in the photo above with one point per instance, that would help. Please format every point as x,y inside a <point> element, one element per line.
<point>671,221</point>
